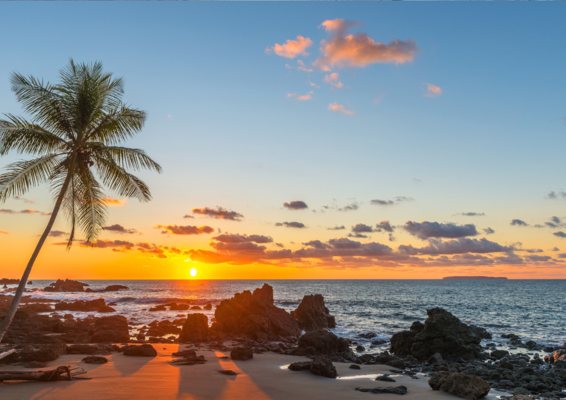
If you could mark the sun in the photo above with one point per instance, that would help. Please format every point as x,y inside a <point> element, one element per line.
<point>193,272</point>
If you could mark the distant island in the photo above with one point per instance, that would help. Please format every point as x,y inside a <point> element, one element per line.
<point>473,277</point>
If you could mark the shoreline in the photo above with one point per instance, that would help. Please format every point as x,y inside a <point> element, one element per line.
<point>261,378</point>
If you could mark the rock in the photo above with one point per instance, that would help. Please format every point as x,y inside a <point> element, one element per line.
<point>82,349</point>
<point>360,349</point>
<point>115,288</point>
<point>255,315</point>
<point>499,354</point>
<point>435,359</point>
<point>195,329</point>
<point>66,286</point>
<point>442,333</point>
<point>391,390</point>
<point>106,309</point>
<point>480,332</point>
<point>466,386</point>
<point>158,308</point>
<point>35,364</point>
<point>520,397</point>
<point>113,329</point>
<point>312,314</point>
<point>323,367</point>
<point>227,372</point>
<point>385,378</point>
<point>144,350</point>
<point>81,305</point>
<point>355,366</point>
<point>196,308</point>
<point>41,352</point>
<point>242,354</point>
<point>178,307</point>
<point>208,307</point>
<point>321,342</point>
<point>300,366</point>
<point>95,360</point>
<point>417,326</point>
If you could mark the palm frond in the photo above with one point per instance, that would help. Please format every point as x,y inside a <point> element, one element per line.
<point>23,175</point>
<point>117,125</point>
<point>125,157</point>
<point>25,137</point>
<point>120,181</point>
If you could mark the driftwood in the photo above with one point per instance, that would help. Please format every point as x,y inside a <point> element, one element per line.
<point>59,373</point>
<point>7,353</point>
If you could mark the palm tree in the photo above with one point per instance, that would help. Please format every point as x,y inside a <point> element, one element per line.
<point>74,131</point>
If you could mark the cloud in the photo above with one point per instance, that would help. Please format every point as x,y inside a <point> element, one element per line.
<point>313,85</point>
<point>296,205</point>
<point>103,244</point>
<point>4,233</point>
<point>357,235</point>
<point>188,216</point>
<point>24,199</point>
<point>432,90</point>
<point>303,97</point>
<point>333,80</point>
<point>362,228</point>
<point>417,180</point>
<point>336,228</point>
<point>349,207</point>
<point>555,195</point>
<point>555,249</point>
<point>378,99</point>
<point>560,234</point>
<point>218,213</point>
<point>335,107</point>
<point>562,255</point>
<point>57,233</point>
<point>518,222</point>
<point>185,230</point>
<point>471,214</point>
<point>398,199</point>
<point>359,50</point>
<point>8,211</point>
<point>385,225</point>
<point>291,48</point>
<point>237,238</point>
<point>488,231</point>
<point>114,202</point>
<point>291,224</point>
<point>425,230</point>
<point>302,67</point>
<point>457,246</point>
<point>118,229</point>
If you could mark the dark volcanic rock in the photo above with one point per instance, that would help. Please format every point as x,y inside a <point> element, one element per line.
<point>499,354</point>
<point>195,329</point>
<point>66,285</point>
<point>385,378</point>
<point>321,342</point>
<point>255,315</point>
<point>481,332</point>
<point>300,366</point>
<point>442,333</point>
<point>144,350</point>
<point>82,349</point>
<point>466,386</point>
<point>158,308</point>
<point>312,314</point>
<point>44,352</point>
<point>106,309</point>
<point>242,354</point>
<point>355,366</point>
<point>227,372</point>
<point>115,288</point>
<point>207,307</point>
<point>178,307</point>
<point>95,360</point>
<point>391,390</point>
<point>81,305</point>
<point>112,329</point>
<point>323,367</point>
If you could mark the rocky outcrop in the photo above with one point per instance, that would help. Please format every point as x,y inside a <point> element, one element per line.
<point>465,386</point>
<point>400,390</point>
<point>66,285</point>
<point>321,342</point>
<point>195,329</point>
<point>95,360</point>
<point>312,314</point>
<point>441,333</point>
<point>242,354</point>
<point>116,288</point>
<point>254,314</point>
<point>158,308</point>
<point>144,350</point>
<point>112,329</point>
<point>81,305</point>
<point>318,366</point>
<point>178,307</point>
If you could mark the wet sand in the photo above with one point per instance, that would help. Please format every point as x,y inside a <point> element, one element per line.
<point>262,378</point>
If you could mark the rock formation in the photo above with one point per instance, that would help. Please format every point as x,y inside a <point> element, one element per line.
<point>66,285</point>
<point>321,342</point>
<point>195,329</point>
<point>112,329</point>
<point>465,386</point>
<point>312,314</point>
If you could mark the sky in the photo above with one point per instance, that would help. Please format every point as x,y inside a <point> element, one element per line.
<point>384,140</point>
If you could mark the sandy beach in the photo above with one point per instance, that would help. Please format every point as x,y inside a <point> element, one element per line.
<point>263,377</point>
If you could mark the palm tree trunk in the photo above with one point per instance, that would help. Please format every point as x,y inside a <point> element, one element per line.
<point>5,324</point>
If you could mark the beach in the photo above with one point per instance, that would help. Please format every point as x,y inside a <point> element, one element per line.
<point>263,377</point>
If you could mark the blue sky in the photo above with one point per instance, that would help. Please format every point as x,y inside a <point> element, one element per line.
<point>225,132</point>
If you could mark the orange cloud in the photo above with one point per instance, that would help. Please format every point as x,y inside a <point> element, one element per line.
<point>335,107</point>
<point>333,80</point>
<point>114,202</point>
<point>219,213</point>
<point>303,67</point>
<point>432,90</point>
<point>313,85</point>
<point>186,230</point>
<point>304,97</point>
<point>5,233</point>
<point>7,211</point>
<point>291,48</point>
<point>359,50</point>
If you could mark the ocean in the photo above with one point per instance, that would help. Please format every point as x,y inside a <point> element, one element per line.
<point>533,309</point>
